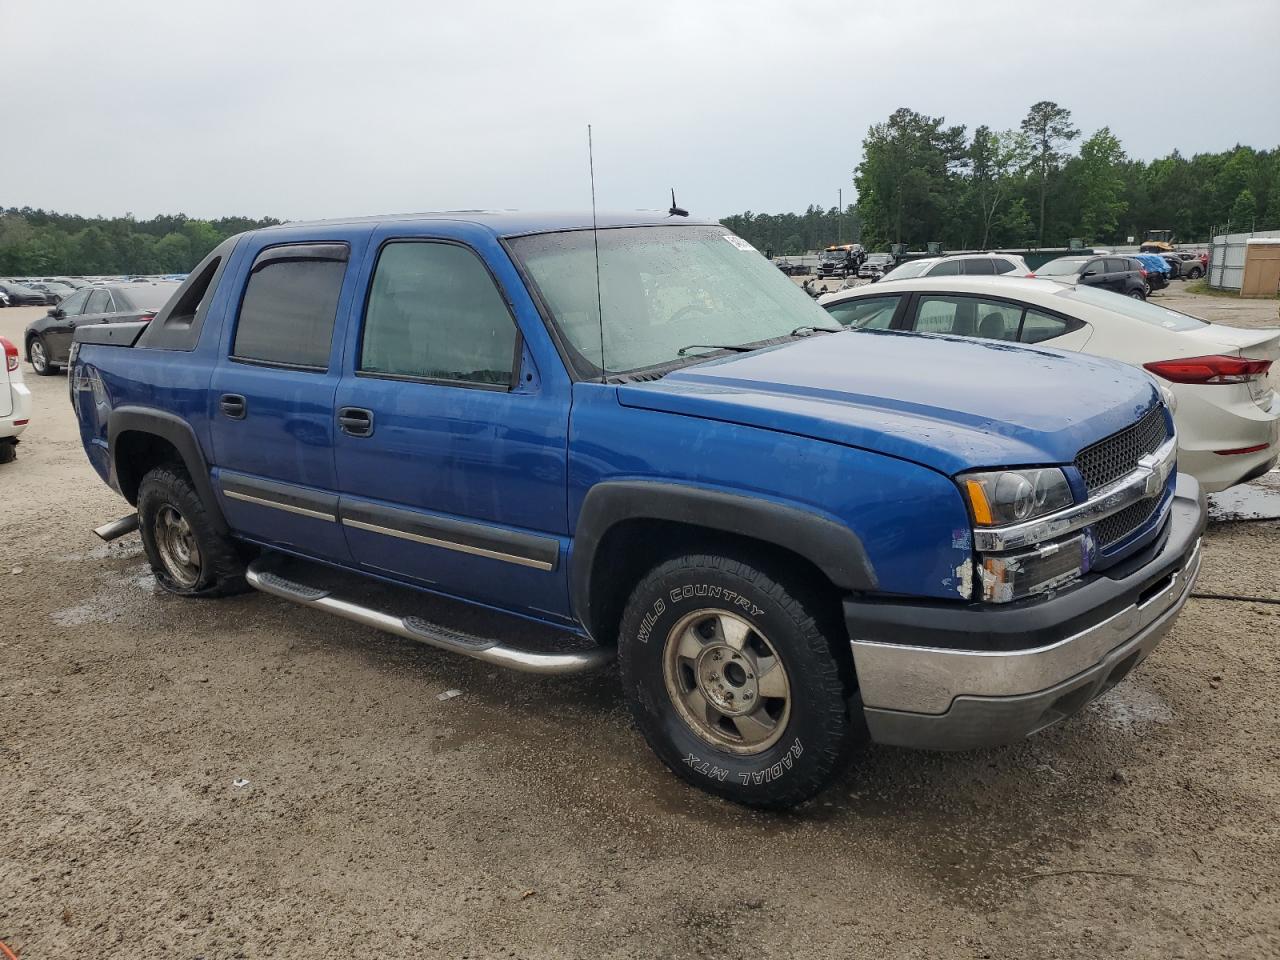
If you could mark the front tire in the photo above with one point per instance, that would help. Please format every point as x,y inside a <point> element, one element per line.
<point>38,354</point>
<point>738,681</point>
<point>187,554</point>
<point>1137,294</point>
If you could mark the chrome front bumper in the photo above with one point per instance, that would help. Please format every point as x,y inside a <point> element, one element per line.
<point>949,698</point>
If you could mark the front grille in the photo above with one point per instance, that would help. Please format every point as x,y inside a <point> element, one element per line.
<point>1110,459</point>
<point>1120,524</point>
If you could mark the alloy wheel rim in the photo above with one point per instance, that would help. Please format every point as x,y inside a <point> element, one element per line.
<point>176,543</point>
<point>38,359</point>
<point>727,682</point>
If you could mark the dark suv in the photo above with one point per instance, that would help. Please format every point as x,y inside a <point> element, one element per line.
<point>1118,274</point>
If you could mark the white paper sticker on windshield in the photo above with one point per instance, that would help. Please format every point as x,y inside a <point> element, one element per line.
<point>739,242</point>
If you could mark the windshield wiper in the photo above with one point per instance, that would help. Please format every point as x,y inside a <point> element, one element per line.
<point>735,347</point>
<point>809,328</point>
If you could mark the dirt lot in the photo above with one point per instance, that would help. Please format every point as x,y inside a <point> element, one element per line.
<point>526,818</point>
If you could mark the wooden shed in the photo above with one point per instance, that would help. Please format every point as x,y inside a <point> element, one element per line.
<point>1261,267</point>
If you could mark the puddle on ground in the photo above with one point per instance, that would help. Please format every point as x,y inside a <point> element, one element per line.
<point>110,602</point>
<point>1258,500</point>
<point>1128,706</point>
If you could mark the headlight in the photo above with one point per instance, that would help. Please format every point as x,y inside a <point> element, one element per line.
<point>998,497</point>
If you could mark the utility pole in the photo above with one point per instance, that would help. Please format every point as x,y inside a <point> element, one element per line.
<point>839,215</point>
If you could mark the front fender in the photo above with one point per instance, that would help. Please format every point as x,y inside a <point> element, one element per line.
<point>830,545</point>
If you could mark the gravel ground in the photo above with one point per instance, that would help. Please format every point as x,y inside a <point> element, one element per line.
<point>526,818</point>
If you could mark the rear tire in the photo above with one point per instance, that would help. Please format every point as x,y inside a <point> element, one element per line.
<point>737,681</point>
<point>8,451</point>
<point>188,555</point>
<point>38,353</point>
<point>1195,274</point>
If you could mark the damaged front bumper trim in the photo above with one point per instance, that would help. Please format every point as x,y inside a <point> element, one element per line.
<point>947,695</point>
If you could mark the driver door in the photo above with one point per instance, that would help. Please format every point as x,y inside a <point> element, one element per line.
<point>61,325</point>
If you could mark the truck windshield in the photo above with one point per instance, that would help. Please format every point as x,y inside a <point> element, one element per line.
<point>661,288</point>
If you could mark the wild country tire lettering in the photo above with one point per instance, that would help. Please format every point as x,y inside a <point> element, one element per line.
<point>691,591</point>
<point>757,777</point>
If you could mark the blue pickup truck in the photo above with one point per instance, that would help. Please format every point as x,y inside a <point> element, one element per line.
<point>645,439</point>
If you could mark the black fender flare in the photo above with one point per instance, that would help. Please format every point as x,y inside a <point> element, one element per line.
<point>829,545</point>
<point>170,427</point>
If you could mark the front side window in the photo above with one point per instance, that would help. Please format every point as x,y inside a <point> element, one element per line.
<point>947,268</point>
<point>865,313</point>
<point>73,306</point>
<point>663,292</point>
<point>289,305</point>
<point>436,314</point>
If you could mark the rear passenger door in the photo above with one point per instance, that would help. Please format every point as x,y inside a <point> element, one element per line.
<point>451,452</point>
<point>272,396</point>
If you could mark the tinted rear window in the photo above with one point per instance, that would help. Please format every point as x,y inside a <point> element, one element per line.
<point>288,310</point>
<point>1142,310</point>
<point>1060,267</point>
<point>145,296</point>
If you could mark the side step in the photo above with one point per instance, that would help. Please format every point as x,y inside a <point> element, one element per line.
<point>260,576</point>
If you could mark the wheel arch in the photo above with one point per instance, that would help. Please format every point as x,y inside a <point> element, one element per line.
<point>624,527</point>
<point>140,438</point>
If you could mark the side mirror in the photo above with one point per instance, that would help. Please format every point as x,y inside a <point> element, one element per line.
<point>55,311</point>
<point>1089,273</point>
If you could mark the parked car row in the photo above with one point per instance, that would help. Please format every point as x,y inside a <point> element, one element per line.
<point>47,291</point>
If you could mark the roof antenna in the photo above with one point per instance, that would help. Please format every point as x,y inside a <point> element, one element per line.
<point>595,239</point>
<point>676,211</point>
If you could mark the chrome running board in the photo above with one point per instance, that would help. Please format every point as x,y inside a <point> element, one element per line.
<point>489,649</point>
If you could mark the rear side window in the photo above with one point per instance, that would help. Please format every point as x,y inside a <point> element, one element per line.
<point>436,314</point>
<point>865,313</point>
<point>1120,266</point>
<point>289,305</point>
<point>1002,266</point>
<point>947,268</point>
<point>1037,326</point>
<point>979,267</point>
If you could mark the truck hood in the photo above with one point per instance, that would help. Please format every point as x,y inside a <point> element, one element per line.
<point>949,403</point>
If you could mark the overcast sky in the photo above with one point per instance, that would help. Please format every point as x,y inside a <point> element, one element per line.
<point>319,108</point>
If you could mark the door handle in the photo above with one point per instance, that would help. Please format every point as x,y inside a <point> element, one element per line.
<point>233,405</point>
<point>355,421</point>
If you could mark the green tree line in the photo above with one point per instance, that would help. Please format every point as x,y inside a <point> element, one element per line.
<point>43,243</point>
<point>923,180</point>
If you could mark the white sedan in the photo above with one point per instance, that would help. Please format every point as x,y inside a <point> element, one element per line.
<point>15,401</point>
<point>1227,406</point>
